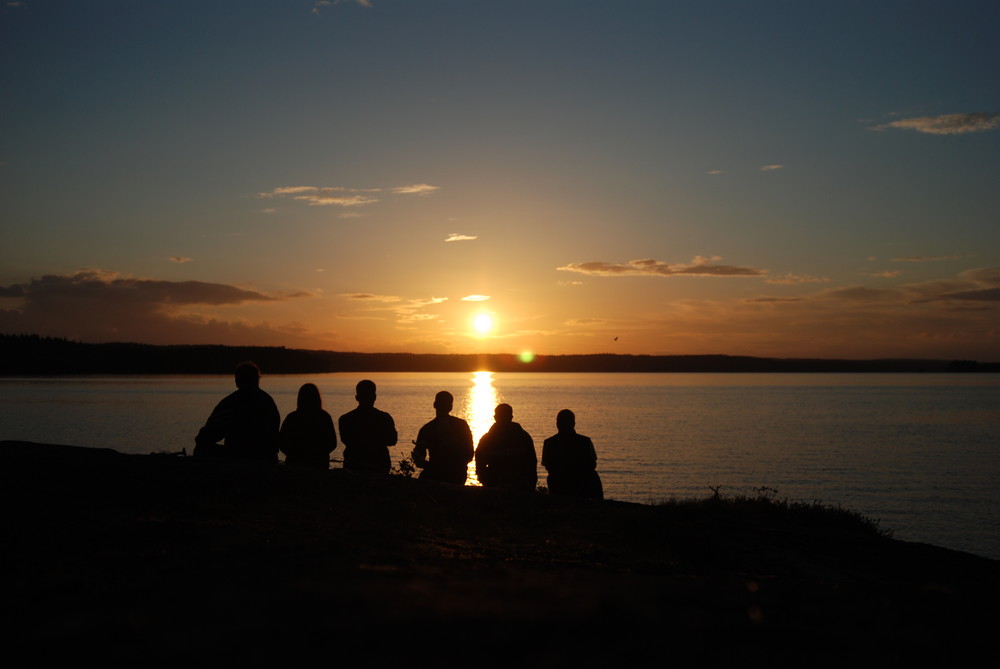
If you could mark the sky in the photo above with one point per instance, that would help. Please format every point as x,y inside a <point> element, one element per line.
<point>780,179</point>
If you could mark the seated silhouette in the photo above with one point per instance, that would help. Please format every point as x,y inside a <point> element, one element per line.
<point>444,445</point>
<point>571,461</point>
<point>505,457</point>
<point>367,433</point>
<point>246,421</point>
<point>307,436</point>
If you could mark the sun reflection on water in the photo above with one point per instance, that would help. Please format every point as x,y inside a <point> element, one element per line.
<point>480,402</point>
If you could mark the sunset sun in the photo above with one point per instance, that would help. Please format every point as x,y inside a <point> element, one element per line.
<point>482,323</point>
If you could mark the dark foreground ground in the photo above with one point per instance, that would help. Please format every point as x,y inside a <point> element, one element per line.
<point>130,557</point>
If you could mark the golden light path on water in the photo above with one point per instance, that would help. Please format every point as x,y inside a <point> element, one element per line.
<point>478,412</point>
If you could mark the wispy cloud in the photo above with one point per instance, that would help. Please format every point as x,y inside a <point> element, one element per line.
<point>456,237</point>
<point>288,190</point>
<point>330,3</point>
<point>340,196</point>
<point>338,201</point>
<point>714,172</point>
<point>415,189</point>
<point>926,258</point>
<point>475,298</point>
<point>792,279</point>
<point>975,285</point>
<point>886,274</point>
<point>180,259</point>
<point>699,266</point>
<point>770,168</point>
<point>947,124</point>
<point>372,297</point>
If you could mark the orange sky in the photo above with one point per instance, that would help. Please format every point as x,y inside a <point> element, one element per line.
<point>371,176</point>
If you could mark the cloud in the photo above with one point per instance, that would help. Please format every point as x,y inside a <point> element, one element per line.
<point>989,276</point>
<point>180,259</point>
<point>947,124</point>
<point>339,196</point>
<point>974,285</point>
<point>456,237</point>
<point>428,301</point>
<point>699,266</point>
<point>792,279</point>
<point>340,201</point>
<point>770,168</point>
<point>475,298</point>
<point>926,258</point>
<point>713,172</point>
<point>97,305</point>
<point>773,299</point>
<point>331,3</point>
<point>288,190</point>
<point>861,294</point>
<point>886,274</point>
<point>372,297</point>
<point>983,295</point>
<point>415,189</point>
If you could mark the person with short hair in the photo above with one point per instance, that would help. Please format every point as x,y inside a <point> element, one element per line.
<point>367,433</point>
<point>246,421</point>
<point>444,445</point>
<point>505,457</point>
<point>571,461</point>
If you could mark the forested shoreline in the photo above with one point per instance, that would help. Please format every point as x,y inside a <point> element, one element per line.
<point>36,355</point>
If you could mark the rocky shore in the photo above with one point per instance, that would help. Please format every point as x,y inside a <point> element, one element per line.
<point>132,557</point>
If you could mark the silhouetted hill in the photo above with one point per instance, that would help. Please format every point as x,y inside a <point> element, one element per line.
<point>31,354</point>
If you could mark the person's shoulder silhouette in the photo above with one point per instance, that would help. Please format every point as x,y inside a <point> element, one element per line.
<point>444,445</point>
<point>246,421</point>
<point>505,456</point>
<point>307,435</point>
<point>571,461</point>
<point>367,433</point>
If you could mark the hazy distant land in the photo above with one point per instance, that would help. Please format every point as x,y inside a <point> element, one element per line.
<point>32,354</point>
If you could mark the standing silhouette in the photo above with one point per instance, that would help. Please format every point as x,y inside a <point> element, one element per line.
<point>367,433</point>
<point>444,445</point>
<point>307,436</point>
<point>571,461</point>
<point>506,456</point>
<point>247,421</point>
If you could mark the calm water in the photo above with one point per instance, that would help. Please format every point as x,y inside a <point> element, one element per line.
<point>919,452</point>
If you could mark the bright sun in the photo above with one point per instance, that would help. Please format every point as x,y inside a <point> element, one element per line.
<point>482,323</point>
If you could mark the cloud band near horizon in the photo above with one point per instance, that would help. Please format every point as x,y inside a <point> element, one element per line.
<point>699,266</point>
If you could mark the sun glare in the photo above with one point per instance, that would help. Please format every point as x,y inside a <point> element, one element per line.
<point>482,323</point>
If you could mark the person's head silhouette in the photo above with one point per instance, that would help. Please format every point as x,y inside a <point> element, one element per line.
<point>565,421</point>
<point>309,398</point>
<point>364,393</point>
<point>444,402</point>
<point>247,375</point>
<point>504,413</point>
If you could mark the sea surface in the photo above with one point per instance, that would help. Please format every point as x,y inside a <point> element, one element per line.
<point>920,453</point>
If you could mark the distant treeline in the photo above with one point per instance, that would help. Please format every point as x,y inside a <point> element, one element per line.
<point>32,354</point>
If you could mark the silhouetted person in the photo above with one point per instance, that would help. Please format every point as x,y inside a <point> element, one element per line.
<point>307,436</point>
<point>571,461</point>
<point>247,421</point>
<point>444,445</point>
<point>506,456</point>
<point>367,434</point>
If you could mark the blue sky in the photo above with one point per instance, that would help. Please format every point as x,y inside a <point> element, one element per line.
<point>765,178</point>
